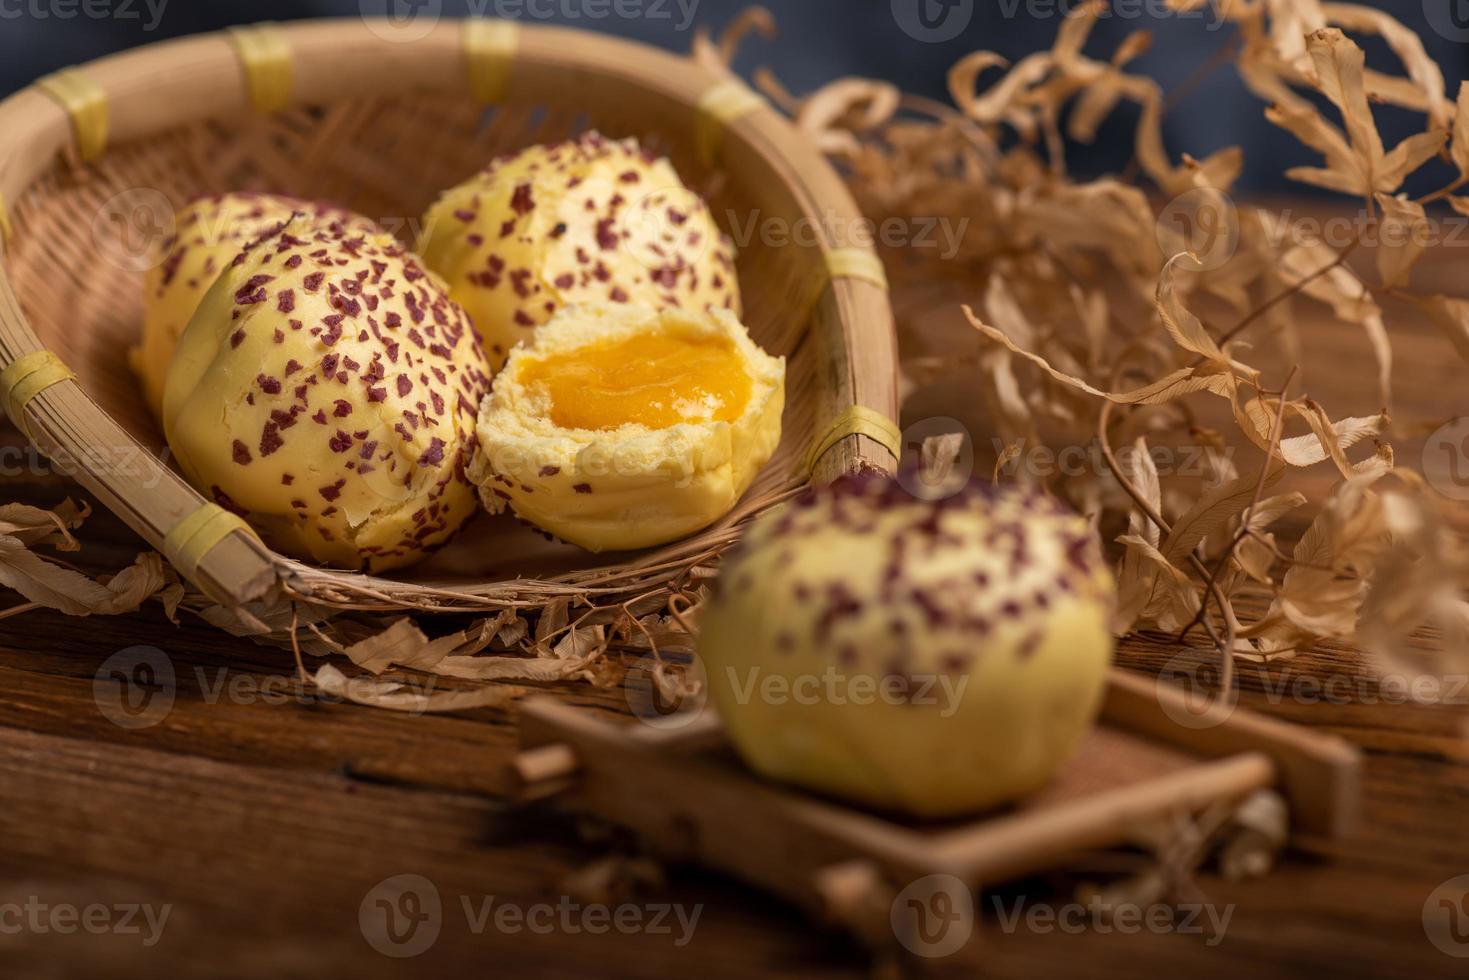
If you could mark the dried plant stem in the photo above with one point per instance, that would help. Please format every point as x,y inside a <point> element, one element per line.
<point>1286,294</point>
<point>296,644</point>
<point>24,607</point>
<point>1440,195</point>
<point>678,614</point>
<point>1222,56</point>
<point>1230,624</point>
<point>331,643</point>
<point>1276,429</point>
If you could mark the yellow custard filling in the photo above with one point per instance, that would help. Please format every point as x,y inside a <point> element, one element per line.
<point>655,380</point>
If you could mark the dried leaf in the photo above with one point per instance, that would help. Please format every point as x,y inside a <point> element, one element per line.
<point>401,645</point>
<point>1184,381</point>
<point>1460,146</point>
<point>1404,238</point>
<point>1173,598</point>
<point>400,697</point>
<point>73,593</point>
<point>508,668</point>
<point>1452,316</point>
<point>33,526</point>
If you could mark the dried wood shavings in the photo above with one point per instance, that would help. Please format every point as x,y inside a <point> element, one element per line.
<point>400,697</point>
<point>46,583</point>
<point>1145,310</point>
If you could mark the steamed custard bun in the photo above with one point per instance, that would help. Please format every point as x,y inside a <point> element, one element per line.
<point>621,427</point>
<point>210,232</point>
<point>586,221</point>
<point>956,650</point>
<point>326,391</point>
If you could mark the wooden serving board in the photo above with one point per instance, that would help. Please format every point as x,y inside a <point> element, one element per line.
<point>688,796</point>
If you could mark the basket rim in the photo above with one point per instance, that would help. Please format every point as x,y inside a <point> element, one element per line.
<point>186,80</point>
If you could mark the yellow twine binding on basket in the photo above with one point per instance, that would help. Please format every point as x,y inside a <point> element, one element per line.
<point>266,58</point>
<point>856,263</point>
<point>6,231</point>
<point>86,103</point>
<point>26,378</point>
<point>197,535</point>
<point>489,52</point>
<point>848,263</point>
<point>857,421</point>
<point>719,107</point>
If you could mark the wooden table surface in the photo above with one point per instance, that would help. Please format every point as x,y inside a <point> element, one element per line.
<point>264,819</point>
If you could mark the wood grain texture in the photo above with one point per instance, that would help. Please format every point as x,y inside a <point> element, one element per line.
<point>266,824</point>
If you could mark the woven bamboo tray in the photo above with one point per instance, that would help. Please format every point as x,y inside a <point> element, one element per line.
<point>337,110</point>
<point>683,791</point>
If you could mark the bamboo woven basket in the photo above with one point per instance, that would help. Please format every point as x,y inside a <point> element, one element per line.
<point>348,112</point>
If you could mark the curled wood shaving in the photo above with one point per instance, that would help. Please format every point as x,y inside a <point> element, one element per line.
<point>1094,321</point>
<point>47,584</point>
<point>404,645</point>
<point>395,696</point>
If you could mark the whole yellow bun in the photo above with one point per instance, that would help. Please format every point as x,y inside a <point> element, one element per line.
<point>326,391</point>
<point>671,415</point>
<point>590,220</point>
<point>209,233</point>
<point>933,658</point>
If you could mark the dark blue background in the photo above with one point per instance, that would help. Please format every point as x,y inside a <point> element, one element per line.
<point>821,40</point>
